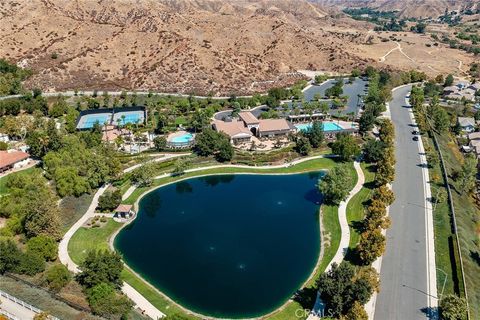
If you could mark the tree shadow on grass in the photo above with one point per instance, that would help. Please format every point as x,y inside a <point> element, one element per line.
<point>475,256</point>
<point>306,297</point>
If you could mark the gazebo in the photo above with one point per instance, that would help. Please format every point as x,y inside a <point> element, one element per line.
<point>124,211</point>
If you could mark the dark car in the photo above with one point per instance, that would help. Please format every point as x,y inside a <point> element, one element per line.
<point>415,132</point>
<point>415,138</point>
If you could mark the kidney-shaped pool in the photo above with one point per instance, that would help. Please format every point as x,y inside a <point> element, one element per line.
<point>229,246</point>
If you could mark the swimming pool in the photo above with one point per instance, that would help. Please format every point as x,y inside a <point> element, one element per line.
<point>183,138</point>
<point>327,126</point>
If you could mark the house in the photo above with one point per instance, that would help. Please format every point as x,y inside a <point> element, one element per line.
<point>12,159</point>
<point>466,123</point>
<point>236,130</point>
<point>250,121</point>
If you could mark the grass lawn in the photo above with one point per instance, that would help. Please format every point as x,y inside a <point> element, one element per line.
<point>86,239</point>
<point>97,238</point>
<point>356,206</point>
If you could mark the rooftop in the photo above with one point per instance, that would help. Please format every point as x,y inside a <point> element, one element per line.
<point>274,125</point>
<point>474,136</point>
<point>234,129</point>
<point>10,157</point>
<point>466,121</point>
<point>124,208</point>
<point>248,117</point>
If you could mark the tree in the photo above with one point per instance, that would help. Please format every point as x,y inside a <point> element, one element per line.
<point>143,176</point>
<point>10,256</point>
<point>345,147</point>
<point>467,176</point>
<point>319,78</point>
<point>355,73</point>
<point>384,194</point>
<point>302,145</point>
<point>105,302</point>
<point>417,97</point>
<point>334,186</point>
<point>101,267</point>
<point>42,315</point>
<point>180,166</point>
<point>160,143</point>
<point>210,142</point>
<point>225,150</point>
<point>373,150</point>
<point>386,132</point>
<point>385,173</point>
<point>357,312</point>
<point>42,217</point>
<point>43,245</point>
<point>420,27</point>
<point>453,307</point>
<point>336,90</point>
<point>30,264</point>
<point>57,277</point>
<point>109,200</point>
<point>340,288</point>
<point>371,246</point>
<point>367,120</point>
<point>448,81</point>
<point>315,134</point>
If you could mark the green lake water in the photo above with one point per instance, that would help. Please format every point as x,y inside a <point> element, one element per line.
<point>230,246</point>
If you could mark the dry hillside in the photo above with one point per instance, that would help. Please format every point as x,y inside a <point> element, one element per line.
<point>192,46</point>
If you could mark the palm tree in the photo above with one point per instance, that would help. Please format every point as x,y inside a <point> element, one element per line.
<point>123,119</point>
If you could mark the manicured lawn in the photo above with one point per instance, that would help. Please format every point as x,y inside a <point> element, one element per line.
<point>86,239</point>
<point>356,206</point>
<point>97,238</point>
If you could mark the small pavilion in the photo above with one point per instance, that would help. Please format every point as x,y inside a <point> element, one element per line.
<point>124,211</point>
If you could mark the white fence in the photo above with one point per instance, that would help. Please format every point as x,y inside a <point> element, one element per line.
<point>22,303</point>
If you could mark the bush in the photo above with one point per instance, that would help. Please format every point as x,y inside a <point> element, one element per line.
<point>109,200</point>
<point>160,143</point>
<point>453,308</point>
<point>345,147</point>
<point>3,145</point>
<point>57,277</point>
<point>101,267</point>
<point>30,264</point>
<point>43,245</point>
<point>105,302</point>
<point>10,256</point>
<point>302,145</point>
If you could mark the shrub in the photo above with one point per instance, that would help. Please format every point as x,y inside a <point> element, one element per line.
<point>334,186</point>
<point>101,266</point>
<point>57,277</point>
<point>10,256</point>
<point>43,245</point>
<point>30,264</point>
<point>453,308</point>
<point>105,302</point>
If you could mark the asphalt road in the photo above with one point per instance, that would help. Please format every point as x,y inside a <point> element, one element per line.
<point>404,279</point>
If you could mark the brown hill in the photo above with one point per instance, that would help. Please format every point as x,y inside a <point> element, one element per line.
<point>191,46</point>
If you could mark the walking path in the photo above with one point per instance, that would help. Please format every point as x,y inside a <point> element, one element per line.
<point>317,312</point>
<point>166,156</point>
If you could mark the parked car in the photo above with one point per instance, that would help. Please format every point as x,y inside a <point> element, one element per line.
<point>415,132</point>
<point>415,138</point>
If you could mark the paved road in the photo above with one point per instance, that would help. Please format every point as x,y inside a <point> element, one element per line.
<point>404,276</point>
<point>15,309</point>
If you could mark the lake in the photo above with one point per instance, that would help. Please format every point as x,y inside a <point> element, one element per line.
<point>229,246</point>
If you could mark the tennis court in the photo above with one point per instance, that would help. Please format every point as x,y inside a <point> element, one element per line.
<point>87,121</point>
<point>125,117</point>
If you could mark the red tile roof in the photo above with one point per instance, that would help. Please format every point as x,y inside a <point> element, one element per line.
<point>8,158</point>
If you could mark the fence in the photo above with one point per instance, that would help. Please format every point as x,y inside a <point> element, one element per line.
<point>452,210</point>
<point>23,304</point>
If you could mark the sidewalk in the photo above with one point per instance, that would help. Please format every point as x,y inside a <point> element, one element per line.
<point>344,240</point>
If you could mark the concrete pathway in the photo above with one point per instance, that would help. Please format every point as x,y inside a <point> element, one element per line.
<point>13,309</point>
<point>344,239</point>
<point>165,157</point>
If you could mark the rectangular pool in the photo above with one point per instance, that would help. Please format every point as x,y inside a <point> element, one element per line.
<point>327,126</point>
<point>88,121</point>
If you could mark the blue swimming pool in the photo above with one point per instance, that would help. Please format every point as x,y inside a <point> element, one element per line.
<point>327,126</point>
<point>184,138</point>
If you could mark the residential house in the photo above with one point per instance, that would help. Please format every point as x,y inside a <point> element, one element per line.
<point>12,159</point>
<point>466,123</point>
